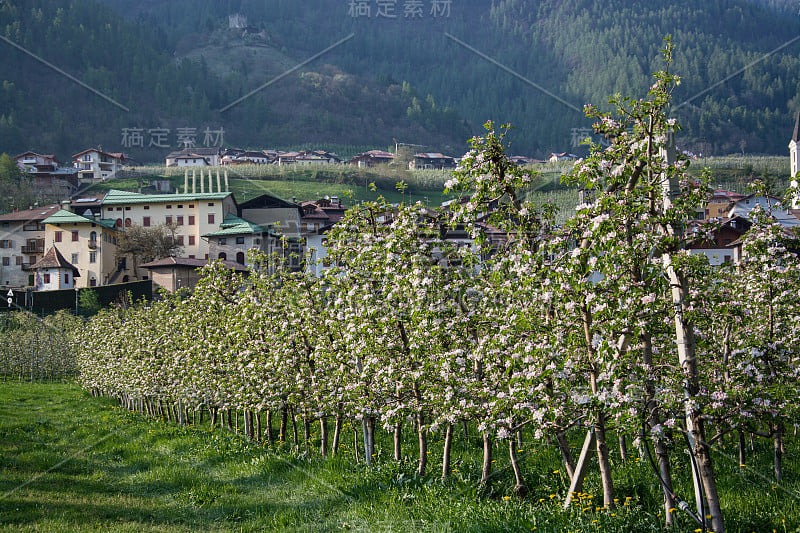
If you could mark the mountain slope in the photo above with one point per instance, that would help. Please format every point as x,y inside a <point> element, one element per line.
<point>579,50</point>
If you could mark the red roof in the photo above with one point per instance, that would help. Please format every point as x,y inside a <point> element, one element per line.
<point>54,259</point>
<point>36,213</point>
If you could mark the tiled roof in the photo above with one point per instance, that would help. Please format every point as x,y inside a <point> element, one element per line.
<point>37,213</point>
<point>115,197</point>
<point>191,262</point>
<point>68,217</point>
<point>54,259</point>
<point>233,225</point>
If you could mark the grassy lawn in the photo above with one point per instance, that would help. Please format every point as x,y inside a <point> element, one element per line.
<point>69,462</point>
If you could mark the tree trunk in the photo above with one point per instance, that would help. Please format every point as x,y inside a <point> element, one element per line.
<point>703,455</point>
<point>448,445</point>
<point>337,433</point>
<point>213,416</point>
<point>662,455</point>
<point>742,450</point>
<point>778,452</point>
<point>486,471</point>
<point>603,461</point>
<point>259,434</point>
<point>249,423</point>
<point>306,431</point>
<point>323,436</point>
<point>398,441</point>
<point>423,444</point>
<point>270,436</point>
<point>294,428</point>
<point>464,427</point>
<point>520,489</point>
<point>623,447</point>
<point>284,421</point>
<point>356,450</point>
<point>566,454</point>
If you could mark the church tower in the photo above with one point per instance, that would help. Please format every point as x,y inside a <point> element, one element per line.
<point>793,146</point>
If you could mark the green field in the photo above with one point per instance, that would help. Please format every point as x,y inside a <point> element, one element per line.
<point>70,462</point>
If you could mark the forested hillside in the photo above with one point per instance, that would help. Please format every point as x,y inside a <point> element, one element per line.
<point>176,64</point>
<point>133,63</point>
<point>580,50</point>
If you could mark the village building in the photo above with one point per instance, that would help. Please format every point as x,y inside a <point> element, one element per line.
<point>320,213</point>
<point>194,157</point>
<point>724,244</point>
<point>90,245</point>
<point>176,273</point>
<point>372,158</point>
<point>48,178</point>
<point>236,236</point>
<point>54,273</point>
<point>431,160</point>
<point>191,215</point>
<point>22,236</point>
<point>96,165</point>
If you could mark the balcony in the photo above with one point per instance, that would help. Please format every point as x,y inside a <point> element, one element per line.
<point>93,245</point>
<point>33,249</point>
<point>27,266</point>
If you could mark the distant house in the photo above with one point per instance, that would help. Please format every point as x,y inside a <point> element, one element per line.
<point>719,204</point>
<point>194,157</point>
<point>268,210</point>
<point>236,236</point>
<point>95,165</point>
<point>770,204</point>
<point>175,273</point>
<point>431,160</point>
<point>53,272</point>
<point>524,160</point>
<point>244,157</point>
<point>49,179</point>
<point>563,156</point>
<point>320,213</point>
<point>724,245</point>
<point>22,236</point>
<point>372,158</point>
<point>318,157</point>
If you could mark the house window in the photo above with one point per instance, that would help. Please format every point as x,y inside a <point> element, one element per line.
<point>179,220</point>
<point>66,279</point>
<point>6,261</point>
<point>146,222</point>
<point>191,256</point>
<point>239,240</point>
<point>223,241</point>
<point>169,220</point>
<point>127,209</point>
<point>93,282</point>
<point>180,240</point>
<point>146,207</point>
<point>74,258</point>
<point>119,209</point>
<point>191,206</point>
<point>191,240</point>
<point>128,223</point>
<point>74,236</point>
<point>223,256</point>
<point>93,257</point>
<point>31,226</point>
<point>180,206</point>
<point>206,256</point>
<point>5,244</point>
<point>210,204</point>
<point>20,260</point>
<point>191,220</point>
<point>46,278</point>
<point>240,258</point>
<point>58,236</point>
<point>211,218</point>
<point>118,223</point>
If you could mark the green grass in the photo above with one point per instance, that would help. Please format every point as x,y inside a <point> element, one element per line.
<point>69,462</point>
